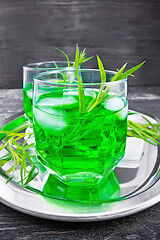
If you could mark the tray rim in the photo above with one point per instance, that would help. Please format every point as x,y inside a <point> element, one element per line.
<point>151,197</point>
<point>92,216</point>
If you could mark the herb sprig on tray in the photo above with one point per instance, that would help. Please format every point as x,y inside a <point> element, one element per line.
<point>18,154</point>
<point>149,132</point>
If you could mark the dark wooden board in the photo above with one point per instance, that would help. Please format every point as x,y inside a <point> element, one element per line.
<point>144,225</point>
<point>119,31</point>
<point>141,226</point>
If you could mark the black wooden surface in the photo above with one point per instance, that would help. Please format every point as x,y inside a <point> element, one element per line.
<point>119,31</point>
<point>144,225</point>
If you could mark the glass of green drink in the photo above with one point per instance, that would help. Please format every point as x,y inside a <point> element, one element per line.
<point>80,132</point>
<point>29,71</point>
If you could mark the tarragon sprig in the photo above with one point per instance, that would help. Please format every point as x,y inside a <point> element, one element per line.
<point>18,154</point>
<point>80,85</point>
<point>123,75</point>
<point>101,97</point>
<point>149,132</point>
<point>101,94</point>
<point>65,56</point>
<point>82,57</point>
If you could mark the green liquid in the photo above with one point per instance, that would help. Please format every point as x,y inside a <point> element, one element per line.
<point>107,191</point>
<point>28,100</point>
<point>80,151</point>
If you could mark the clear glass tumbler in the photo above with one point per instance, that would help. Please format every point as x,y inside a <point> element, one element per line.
<point>80,132</point>
<point>29,71</point>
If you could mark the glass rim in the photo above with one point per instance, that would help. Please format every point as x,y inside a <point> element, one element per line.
<point>30,66</point>
<point>58,70</point>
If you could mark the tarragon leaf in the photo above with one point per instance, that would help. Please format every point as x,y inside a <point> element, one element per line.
<point>32,174</point>
<point>130,71</point>
<point>64,55</point>
<point>80,85</point>
<point>115,78</point>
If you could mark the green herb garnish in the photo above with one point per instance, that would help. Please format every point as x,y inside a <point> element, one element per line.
<point>80,85</point>
<point>64,55</point>
<point>149,132</point>
<point>101,94</point>
<point>118,76</point>
<point>18,154</point>
<point>82,57</point>
<point>123,75</point>
<point>78,62</point>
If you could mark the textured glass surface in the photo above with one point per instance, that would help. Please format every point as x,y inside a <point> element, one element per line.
<point>78,140</point>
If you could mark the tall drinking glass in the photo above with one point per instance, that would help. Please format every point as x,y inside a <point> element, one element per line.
<point>80,132</point>
<point>29,71</point>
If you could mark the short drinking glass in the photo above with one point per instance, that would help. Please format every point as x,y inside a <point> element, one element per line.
<point>80,131</point>
<point>29,71</point>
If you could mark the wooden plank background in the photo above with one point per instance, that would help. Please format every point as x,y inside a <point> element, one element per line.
<point>119,31</point>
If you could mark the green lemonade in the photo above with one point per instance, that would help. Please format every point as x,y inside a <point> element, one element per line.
<point>28,100</point>
<point>79,150</point>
